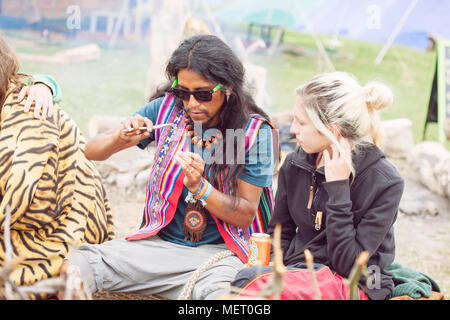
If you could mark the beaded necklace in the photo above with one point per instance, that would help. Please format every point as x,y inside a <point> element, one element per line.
<point>200,142</point>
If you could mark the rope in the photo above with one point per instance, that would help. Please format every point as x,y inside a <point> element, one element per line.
<point>189,286</point>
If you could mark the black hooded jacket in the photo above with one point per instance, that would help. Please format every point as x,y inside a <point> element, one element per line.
<point>356,216</point>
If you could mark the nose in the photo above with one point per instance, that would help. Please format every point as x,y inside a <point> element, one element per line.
<point>293,128</point>
<point>192,102</point>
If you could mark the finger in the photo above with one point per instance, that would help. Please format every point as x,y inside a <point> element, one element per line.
<point>148,124</point>
<point>127,124</point>
<point>22,94</point>
<point>335,152</point>
<point>193,160</point>
<point>197,158</point>
<point>144,135</point>
<point>199,162</point>
<point>183,164</point>
<point>183,156</point>
<point>193,156</point>
<point>129,128</point>
<point>50,107</point>
<point>135,124</point>
<point>346,146</point>
<point>177,156</point>
<point>44,110</point>
<point>326,156</point>
<point>37,107</point>
<point>28,103</point>
<point>186,160</point>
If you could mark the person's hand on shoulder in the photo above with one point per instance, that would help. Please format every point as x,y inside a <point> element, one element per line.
<point>42,97</point>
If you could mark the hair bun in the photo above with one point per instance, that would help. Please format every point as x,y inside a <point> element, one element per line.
<point>378,95</point>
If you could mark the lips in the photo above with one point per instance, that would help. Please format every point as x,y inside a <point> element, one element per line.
<point>197,114</point>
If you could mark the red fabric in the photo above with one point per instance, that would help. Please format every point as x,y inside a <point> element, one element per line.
<point>170,213</point>
<point>299,286</point>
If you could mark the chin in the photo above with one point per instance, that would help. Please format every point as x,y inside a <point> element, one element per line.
<point>307,150</point>
<point>199,118</point>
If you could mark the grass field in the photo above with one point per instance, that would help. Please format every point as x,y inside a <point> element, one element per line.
<point>408,72</point>
<point>116,83</point>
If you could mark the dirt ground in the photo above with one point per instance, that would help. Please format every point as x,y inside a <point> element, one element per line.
<point>421,239</point>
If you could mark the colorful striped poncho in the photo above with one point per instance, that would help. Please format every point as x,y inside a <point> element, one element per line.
<point>165,184</point>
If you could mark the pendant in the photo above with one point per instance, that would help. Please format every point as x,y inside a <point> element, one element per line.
<point>318,225</point>
<point>196,140</point>
<point>194,221</point>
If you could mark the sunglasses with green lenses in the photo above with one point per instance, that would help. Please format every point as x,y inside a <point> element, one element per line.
<point>199,95</point>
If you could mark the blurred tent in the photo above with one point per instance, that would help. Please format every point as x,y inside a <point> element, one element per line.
<point>356,19</point>
<point>376,21</point>
<point>267,15</point>
<point>51,15</point>
<point>51,8</point>
<point>366,20</point>
<point>269,12</point>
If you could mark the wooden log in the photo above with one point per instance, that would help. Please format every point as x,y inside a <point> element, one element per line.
<point>90,52</point>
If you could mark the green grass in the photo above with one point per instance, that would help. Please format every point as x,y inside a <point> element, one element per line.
<point>408,72</point>
<point>115,84</point>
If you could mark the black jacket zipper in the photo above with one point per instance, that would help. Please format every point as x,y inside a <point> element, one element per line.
<point>313,192</point>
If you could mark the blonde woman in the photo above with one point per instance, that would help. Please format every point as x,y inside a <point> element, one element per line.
<point>337,194</point>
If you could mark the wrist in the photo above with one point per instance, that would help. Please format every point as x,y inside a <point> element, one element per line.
<point>118,141</point>
<point>50,83</point>
<point>207,192</point>
<point>201,189</point>
<point>338,191</point>
<point>45,85</point>
<point>198,189</point>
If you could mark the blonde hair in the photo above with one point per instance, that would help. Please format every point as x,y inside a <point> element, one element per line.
<point>337,98</point>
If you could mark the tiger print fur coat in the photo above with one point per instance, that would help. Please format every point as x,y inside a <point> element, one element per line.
<point>55,195</point>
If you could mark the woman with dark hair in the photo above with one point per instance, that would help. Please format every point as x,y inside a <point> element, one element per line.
<point>209,187</point>
<point>53,193</point>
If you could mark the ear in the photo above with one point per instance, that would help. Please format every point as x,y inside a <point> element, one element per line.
<point>335,130</point>
<point>228,90</point>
